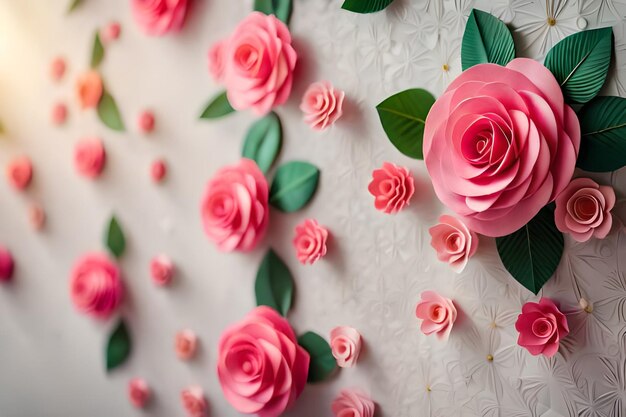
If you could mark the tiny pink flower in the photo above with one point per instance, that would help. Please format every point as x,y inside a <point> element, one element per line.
<point>161,270</point>
<point>138,392</point>
<point>57,68</point>
<point>58,116</point>
<point>437,313</point>
<point>216,59</point>
<point>158,170</point>
<point>541,326</point>
<point>186,344</point>
<point>110,32</point>
<point>36,217</point>
<point>345,343</point>
<point>322,105</point>
<point>392,186</point>
<point>7,265</point>
<point>20,172</point>
<point>89,89</point>
<point>353,403</point>
<point>146,122</point>
<point>453,241</point>
<point>310,241</point>
<point>193,401</point>
<point>89,157</point>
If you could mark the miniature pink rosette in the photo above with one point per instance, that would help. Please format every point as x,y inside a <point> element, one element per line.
<point>235,208</point>
<point>161,270</point>
<point>89,158</point>
<point>261,367</point>
<point>216,59</point>
<point>322,105</point>
<point>7,264</point>
<point>186,344</point>
<point>437,313</point>
<point>20,172</point>
<point>583,209</point>
<point>259,64</point>
<point>345,344</point>
<point>138,392</point>
<point>194,402</point>
<point>310,241</point>
<point>453,241</point>
<point>158,17</point>
<point>95,286</point>
<point>392,187</point>
<point>500,144</point>
<point>541,326</point>
<point>353,403</point>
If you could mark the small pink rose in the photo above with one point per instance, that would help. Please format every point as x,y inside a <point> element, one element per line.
<point>216,59</point>
<point>57,68</point>
<point>138,392</point>
<point>20,172</point>
<point>7,265</point>
<point>453,241</point>
<point>95,286</point>
<point>186,344</point>
<point>345,343</point>
<point>322,105</point>
<point>58,116</point>
<point>392,186</point>
<point>194,402</point>
<point>158,17</point>
<point>89,89</point>
<point>158,170</point>
<point>437,313</point>
<point>583,209</point>
<point>110,32</point>
<point>36,217</point>
<point>310,241</point>
<point>146,122</point>
<point>89,157</point>
<point>541,326</point>
<point>353,403</point>
<point>161,270</point>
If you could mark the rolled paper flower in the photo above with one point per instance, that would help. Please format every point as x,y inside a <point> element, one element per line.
<point>89,157</point>
<point>57,68</point>
<point>186,344</point>
<point>345,343</point>
<point>310,241</point>
<point>259,64</point>
<point>437,313</point>
<point>322,105</point>
<point>7,266</point>
<point>20,172</point>
<point>95,286</point>
<point>161,270</point>
<point>89,89</point>
<point>500,144</point>
<point>158,17</point>
<point>138,392</point>
<point>194,402</point>
<point>541,326</point>
<point>36,217</point>
<point>234,208</point>
<point>216,59</point>
<point>246,351</point>
<point>110,32</point>
<point>583,209</point>
<point>353,403</point>
<point>453,241</point>
<point>392,187</point>
<point>158,170</point>
<point>58,115</point>
<point>145,122</point>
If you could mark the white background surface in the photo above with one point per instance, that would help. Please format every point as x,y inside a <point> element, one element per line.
<point>52,359</point>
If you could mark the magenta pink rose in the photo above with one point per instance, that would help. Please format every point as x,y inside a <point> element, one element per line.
<point>322,105</point>
<point>194,402</point>
<point>438,314</point>
<point>583,209</point>
<point>345,344</point>
<point>541,326</point>
<point>138,392</point>
<point>500,144</point>
<point>235,208</point>
<point>89,158</point>
<point>310,241</point>
<point>7,265</point>
<point>185,344</point>
<point>453,241</point>
<point>95,286</point>
<point>216,59</point>
<point>259,64</point>
<point>157,17</point>
<point>392,187</point>
<point>261,367</point>
<point>353,403</point>
<point>161,270</point>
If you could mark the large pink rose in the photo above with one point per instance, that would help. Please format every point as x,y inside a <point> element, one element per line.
<point>541,326</point>
<point>95,286</point>
<point>261,367</point>
<point>235,207</point>
<point>157,17</point>
<point>258,64</point>
<point>500,144</point>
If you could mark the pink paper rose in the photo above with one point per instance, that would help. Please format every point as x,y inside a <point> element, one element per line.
<point>353,403</point>
<point>110,32</point>
<point>438,314</point>
<point>7,265</point>
<point>500,144</point>
<point>57,68</point>
<point>157,17</point>
<point>216,59</point>
<point>20,172</point>
<point>345,343</point>
<point>583,209</point>
<point>322,105</point>
<point>186,344</point>
<point>453,241</point>
<point>193,401</point>
<point>95,286</point>
<point>146,121</point>
<point>58,115</point>
<point>158,170</point>
<point>541,326</point>
<point>261,367</point>
<point>310,241</point>
<point>161,270</point>
<point>259,64</point>
<point>235,209</point>
<point>36,216</point>
<point>89,89</point>
<point>392,186</point>
<point>138,392</point>
<point>89,157</point>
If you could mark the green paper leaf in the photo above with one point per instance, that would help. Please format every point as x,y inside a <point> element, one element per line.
<point>218,107</point>
<point>403,116</point>
<point>280,8</point>
<point>108,112</point>
<point>603,128</point>
<point>580,63</point>
<point>114,238</point>
<point>533,253</point>
<point>263,141</point>
<point>73,5</point>
<point>118,346</point>
<point>365,6</point>
<point>322,362</point>
<point>486,40</point>
<point>97,52</point>
<point>274,284</point>
<point>294,185</point>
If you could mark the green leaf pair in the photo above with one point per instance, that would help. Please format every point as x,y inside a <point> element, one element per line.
<point>365,6</point>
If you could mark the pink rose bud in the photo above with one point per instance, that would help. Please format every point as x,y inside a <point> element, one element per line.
<point>437,313</point>
<point>158,17</point>
<point>57,68</point>
<point>7,266</point>
<point>20,172</point>
<point>186,345</point>
<point>145,122</point>
<point>162,270</point>
<point>95,286</point>
<point>392,187</point>
<point>37,217</point>
<point>216,60</point>
<point>89,157</point>
<point>138,392</point>
<point>193,401</point>
<point>59,114</point>
<point>541,326</point>
<point>110,32</point>
<point>89,89</point>
<point>322,105</point>
<point>453,241</point>
<point>345,343</point>
<point>158,170</point>
<point>310,241</point>
<point>353,403</point>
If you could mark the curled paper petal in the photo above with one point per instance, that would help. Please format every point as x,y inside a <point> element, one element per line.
<point>310,241</point>
<point>453,241</point>
<point>353,403</point>
<point>541,327</point>
<point>437,313</point>
<point>345,343</point>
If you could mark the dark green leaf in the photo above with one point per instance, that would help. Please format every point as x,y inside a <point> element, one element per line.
<point>118,347</point>
<point>365,6</point>
<point>486,40</point>
<point>279,8</point>
<point>580,63</point>
<point>533,253</point>
<point>263,141</point>
<point>274,284</point>
<point>97,52</point>
<point>403,116</point>
<point>114,238</point>
<point>294,185</point>
<point>603,128</point>
<point>73,5</point>
<point>109,114</point>
<point>218,107</point>
<point>322,361</point>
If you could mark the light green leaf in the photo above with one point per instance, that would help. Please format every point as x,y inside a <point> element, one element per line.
<point>365,6</point>
<point>217,107</point>
<point>486,40</point>
<point>322,362</point>
<point>263,141</point>
<point>118,347</point>
<point>97,52</point>
<point>294,185</point>
<point>274,284</point>
<point>108,112</point>
<point>73,5</point>
<point>114,238</point>
<point>280,8</point>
